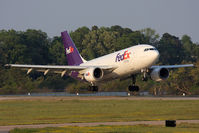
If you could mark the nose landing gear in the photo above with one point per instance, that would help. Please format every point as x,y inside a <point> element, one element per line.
<point>145,71</point>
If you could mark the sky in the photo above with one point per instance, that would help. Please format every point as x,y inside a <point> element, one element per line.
<point>177,17</point>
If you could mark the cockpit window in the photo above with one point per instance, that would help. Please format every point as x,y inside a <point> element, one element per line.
<point>147,49</point>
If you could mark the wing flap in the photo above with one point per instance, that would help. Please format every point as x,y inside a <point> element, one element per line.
<point>46,66</point>
<point>60,69</point>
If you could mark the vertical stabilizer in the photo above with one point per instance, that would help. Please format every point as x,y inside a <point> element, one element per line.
<point>72,54</point>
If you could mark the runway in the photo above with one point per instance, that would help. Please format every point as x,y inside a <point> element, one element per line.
<point>95,98</point>
<point>6,129</point>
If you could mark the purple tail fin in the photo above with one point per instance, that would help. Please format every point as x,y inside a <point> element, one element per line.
<point>72,54</point>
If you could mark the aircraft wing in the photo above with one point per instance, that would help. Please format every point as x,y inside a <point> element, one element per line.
<point>172,66</point>
<point>61,69</point>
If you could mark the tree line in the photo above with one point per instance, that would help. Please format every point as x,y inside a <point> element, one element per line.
<point>35,47</point>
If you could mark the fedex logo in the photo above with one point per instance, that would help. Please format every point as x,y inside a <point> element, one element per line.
<point>69,50</point>
<point>88,74</point>
<point>124,56</point>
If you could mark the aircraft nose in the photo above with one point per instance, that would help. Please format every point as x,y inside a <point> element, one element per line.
<point>156,55</point>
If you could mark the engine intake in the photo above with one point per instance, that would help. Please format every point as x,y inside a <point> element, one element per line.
<point>159,74</point>
<point>94,74</point>
<point>97,73</point>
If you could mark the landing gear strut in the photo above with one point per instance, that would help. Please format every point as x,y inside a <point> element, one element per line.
<point>144,78</point>
<point>133,87</point>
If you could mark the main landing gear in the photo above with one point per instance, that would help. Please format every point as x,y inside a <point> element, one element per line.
<point>94,88</point>
<point>133,87</point>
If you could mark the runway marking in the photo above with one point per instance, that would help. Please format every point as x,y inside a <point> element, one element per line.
<point>4,129</point>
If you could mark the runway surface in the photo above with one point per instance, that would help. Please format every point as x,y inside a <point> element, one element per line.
<point>6,129</point>
<point>95,98</point>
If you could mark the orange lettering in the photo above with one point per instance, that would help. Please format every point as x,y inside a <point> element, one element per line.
<point>125,53</point>
<point>128,55</point>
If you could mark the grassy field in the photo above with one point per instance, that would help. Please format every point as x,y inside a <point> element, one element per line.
<point>182,128</point>
<point>39,111</point>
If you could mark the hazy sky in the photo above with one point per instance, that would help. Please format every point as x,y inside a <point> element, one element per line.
<point>177,17</point>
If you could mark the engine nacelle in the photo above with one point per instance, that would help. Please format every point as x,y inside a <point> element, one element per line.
<point>159,74</point>
<point>93,74</point>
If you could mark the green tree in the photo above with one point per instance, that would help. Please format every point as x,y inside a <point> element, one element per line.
<point>57,52</point>
<point>34,47</point>
<point>12,48</point>
<point>190,49</point>
<point>99,42</point>
<point>151,35</point>
<point>171,49</point>
<point>37,46</point>
<point>78,36</point>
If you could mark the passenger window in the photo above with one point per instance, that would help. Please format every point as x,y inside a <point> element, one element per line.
<point>149,49</point>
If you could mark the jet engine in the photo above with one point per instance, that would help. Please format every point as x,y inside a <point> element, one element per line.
<point>159,74</point>
<point>93,74</point>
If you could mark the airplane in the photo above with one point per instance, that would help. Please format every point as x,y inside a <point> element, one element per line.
<point>123,64</point>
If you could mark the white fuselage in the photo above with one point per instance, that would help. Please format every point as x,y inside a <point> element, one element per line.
<point>127,61</point>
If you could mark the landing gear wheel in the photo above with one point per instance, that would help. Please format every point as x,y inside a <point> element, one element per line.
<point>95,88</point>
<point>133,88</point>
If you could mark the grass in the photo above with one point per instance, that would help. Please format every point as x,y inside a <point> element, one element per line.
<point>40,111</point>
<point>182,128</point>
